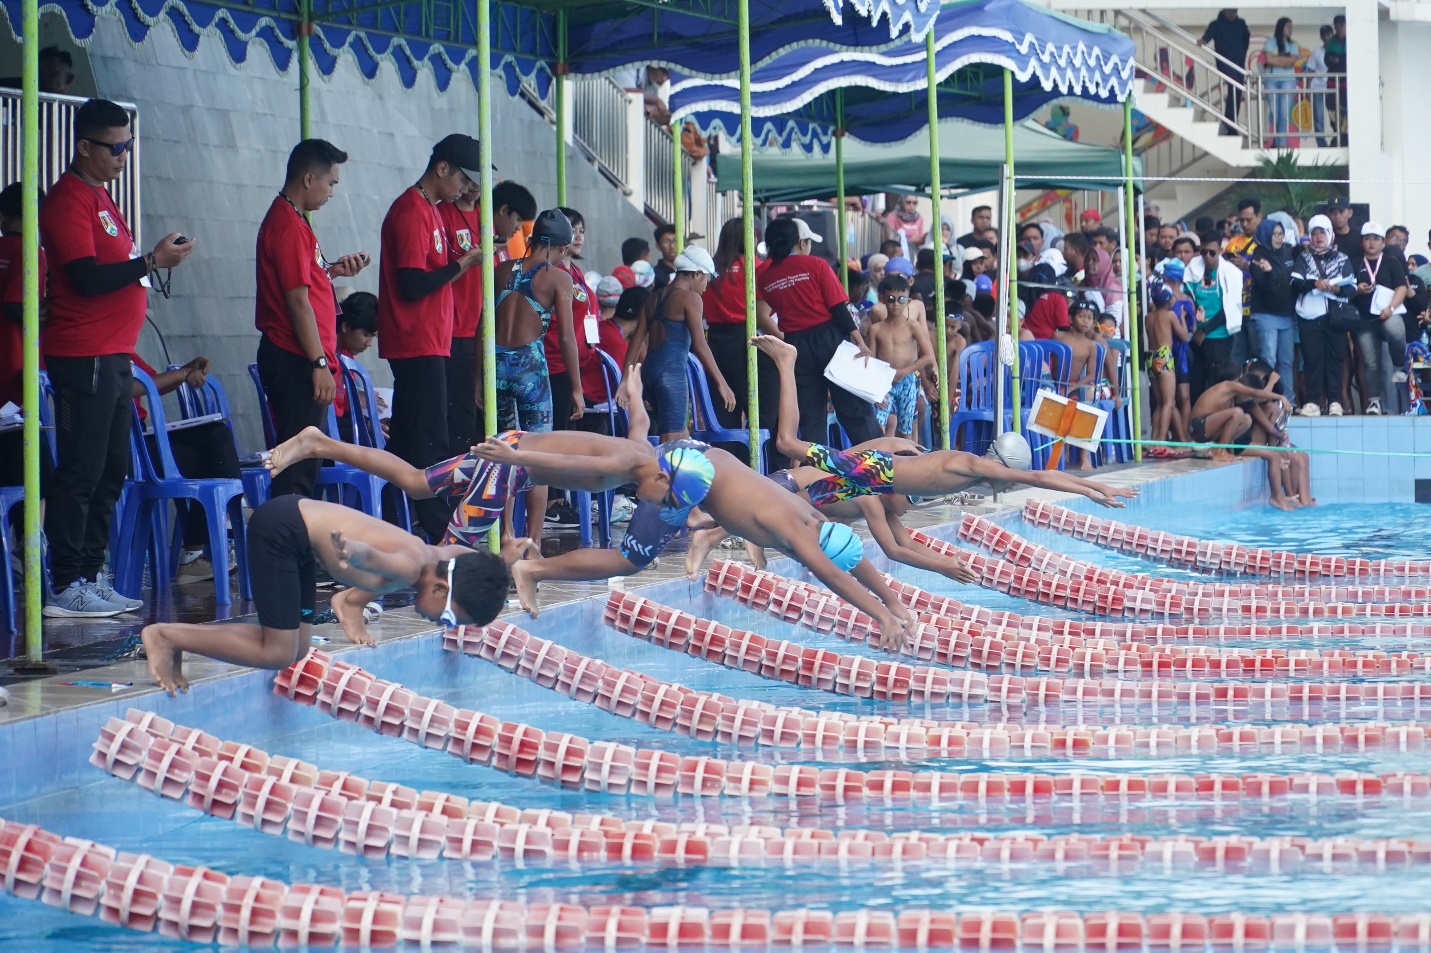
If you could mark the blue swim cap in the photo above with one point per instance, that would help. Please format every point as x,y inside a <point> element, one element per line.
<point>1158,291</point>
<point>840,543</point>
<point>1172,269</point>
<point>691,475</point>
<point>983,284</point>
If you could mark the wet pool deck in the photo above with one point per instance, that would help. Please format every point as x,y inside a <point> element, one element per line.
<point>44,696</point>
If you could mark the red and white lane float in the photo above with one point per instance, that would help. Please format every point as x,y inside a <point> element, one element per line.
<point>198,904</point>
<point>624,769</point>
<point>1207,556</point>
<point>1000,542</point>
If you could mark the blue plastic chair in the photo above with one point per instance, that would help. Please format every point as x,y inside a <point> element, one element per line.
<point>367,426</point>
<point>12,496</point>
<point>346,484</point>
<point>157,482</point>
<point>1119,428</point>
<point>704,423</point>
<point>1042,365</point>
<point>978,363</point>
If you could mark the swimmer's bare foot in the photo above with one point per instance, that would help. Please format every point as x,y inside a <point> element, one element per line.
<point>1282,503</point>
<point>778,350</point>
<point>348,606</point>
<point>1221,456</point>
<point>526,586</point>
<point>165,665</point>
<point>756,554</point>
<point>514,550</point>
<point>702,542</point>
<point>294,450</point>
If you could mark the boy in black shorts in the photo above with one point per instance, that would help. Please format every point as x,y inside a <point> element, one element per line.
<point>287,538</point>
<point>1223,412</point>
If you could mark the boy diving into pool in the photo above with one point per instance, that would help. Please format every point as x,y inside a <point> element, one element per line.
<point>288,538</point>
<point>872,471</point>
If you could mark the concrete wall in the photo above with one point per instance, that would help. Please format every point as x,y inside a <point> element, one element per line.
<point>215,140</point>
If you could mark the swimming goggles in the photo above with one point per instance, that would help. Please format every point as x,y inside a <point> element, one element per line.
<point>448,617</point>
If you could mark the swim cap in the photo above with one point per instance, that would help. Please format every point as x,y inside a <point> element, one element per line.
<point>645,273</point>
<point>1159,291</point>
<point>697,259</point>
<point>1012,450</point>
<point>840,543</point>
<point>983,284</point>
<point>1172,269</point>
<point>552,227</point>
<point>691,475</point>
<point>899,265</point>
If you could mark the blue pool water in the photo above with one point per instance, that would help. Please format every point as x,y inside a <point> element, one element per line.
<point>83,802</point>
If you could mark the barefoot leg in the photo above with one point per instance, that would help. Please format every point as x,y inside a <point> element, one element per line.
<point>756,555</point>
<point>348,606</point>
<point>577,565</point>
<point>787,437</point>
<point>312,443</point>
<point>702,542</point>
<point>232,642</point>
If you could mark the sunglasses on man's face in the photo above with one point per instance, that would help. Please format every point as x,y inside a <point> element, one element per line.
<point>1210,252</point>
<point>896,299</point>
<point>115,148</point>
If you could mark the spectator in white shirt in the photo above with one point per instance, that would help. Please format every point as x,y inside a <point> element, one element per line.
<point>1317,63</point>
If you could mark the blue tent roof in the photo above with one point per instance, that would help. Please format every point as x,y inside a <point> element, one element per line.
<point>1052,57</point>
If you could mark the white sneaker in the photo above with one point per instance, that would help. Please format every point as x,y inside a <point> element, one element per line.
<point>79,600</point>
<point>107,592</point>
<point>1373,407</point>
<point>621,509</point>
<point>1335,410</point>
<point>1398,377</point>
<point>1311,410</point>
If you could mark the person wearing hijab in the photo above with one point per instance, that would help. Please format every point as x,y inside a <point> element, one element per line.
<point>1270,298</point>
<point>1321,272</point>
<point>1291,235</point>
<point>1101,283</point>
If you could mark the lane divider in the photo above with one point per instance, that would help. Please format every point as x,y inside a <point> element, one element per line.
<point>1188,552</point>
<point>329,809</point>
<point>998,541</point>
<point>201,905</point>
<point>560,759</point>
<point>783,597</point>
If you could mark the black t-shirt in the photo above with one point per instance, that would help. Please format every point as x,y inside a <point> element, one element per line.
<point>966,241</point>
<point>664,274</point>
<point>1349,245</point>
<point>1418,299</point>
<point>1230,38</point>
<point>1389,272</point>
<point>923,288</point>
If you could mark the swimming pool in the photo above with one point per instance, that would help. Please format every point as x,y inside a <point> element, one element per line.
<point>67,796</point>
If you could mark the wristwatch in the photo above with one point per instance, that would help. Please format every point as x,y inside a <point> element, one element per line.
<point>319,365</point>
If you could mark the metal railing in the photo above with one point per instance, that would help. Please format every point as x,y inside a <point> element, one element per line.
<point>660,172</point>
<point>1246,102</point>
<point>866,231</point>
<point>57,137</point>
<point>720,207</point>
<point>598,107</point>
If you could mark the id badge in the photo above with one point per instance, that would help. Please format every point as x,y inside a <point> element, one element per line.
<point>133,254</point>
<point>592,336</point>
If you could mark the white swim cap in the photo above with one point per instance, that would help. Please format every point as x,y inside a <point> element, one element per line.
<point>1012,450</point>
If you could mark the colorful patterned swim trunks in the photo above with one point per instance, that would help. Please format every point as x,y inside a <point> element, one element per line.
<point>901,402</point>
<point>478,490</point>
<point>1162,362</point>
<point>853,473</point>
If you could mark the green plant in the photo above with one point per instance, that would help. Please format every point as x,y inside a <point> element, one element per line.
<point>1299,192</point>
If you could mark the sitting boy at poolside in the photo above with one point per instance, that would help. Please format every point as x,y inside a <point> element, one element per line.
<point>903,343</point>
<point>1234,412</point>
<point>288,537</point>
<point>853,473</point>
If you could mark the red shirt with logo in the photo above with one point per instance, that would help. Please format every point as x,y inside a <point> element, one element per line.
<point>79,220</point>
<point>463,232</point>
<point>801,290</point>
<point>12,291</point>
<point>413,237</point>
<point>723,301</point>
<point>288,257</point>
<point>608,339</point>
<point>583,303</point>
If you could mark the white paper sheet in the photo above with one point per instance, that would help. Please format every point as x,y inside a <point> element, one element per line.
<point>869,379</point>
<point>1381,297</point>
<point>385,402</point>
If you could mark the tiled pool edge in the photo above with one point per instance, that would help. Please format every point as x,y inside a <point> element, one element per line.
<point>54,747</point>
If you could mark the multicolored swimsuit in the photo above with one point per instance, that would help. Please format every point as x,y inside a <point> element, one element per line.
<point>853,473</point>
<point>1162,362</point>
<point>478,490</point>
<point>903,397</point>
<point>524,391</point>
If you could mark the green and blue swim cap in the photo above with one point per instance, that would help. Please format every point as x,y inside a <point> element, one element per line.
<point>691,475</point>
<point>840,543</point>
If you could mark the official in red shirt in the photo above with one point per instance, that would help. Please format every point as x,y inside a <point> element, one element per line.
<point>98,282</point>
<point>295,309</point>
<point>415,311</point>
<point>12,352</point>
<point>583,306</point>
<point>512,205</point>
<point>724,303</point>
<point>814,314</point>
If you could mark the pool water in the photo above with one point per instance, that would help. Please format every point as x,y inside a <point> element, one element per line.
<point>122,815</point>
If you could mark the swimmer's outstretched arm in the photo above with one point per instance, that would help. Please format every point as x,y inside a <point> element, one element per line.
<point>804,546</point>
<point>896,543</point>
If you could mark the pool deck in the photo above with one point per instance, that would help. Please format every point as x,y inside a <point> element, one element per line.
<point>47,696</point>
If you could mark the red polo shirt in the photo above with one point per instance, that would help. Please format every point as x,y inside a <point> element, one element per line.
<point>288,257</point>
<point>583,303</point>
<point>79,220</point>
<point>12,291</point>
<point>412,237</point>
<point>801,290</point>
<point>723,301</point>
<point>463,231</point>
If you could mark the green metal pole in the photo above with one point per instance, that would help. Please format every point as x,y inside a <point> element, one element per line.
<point>1011,267</point>
<point>489,284</point>
<point>1130,268</point>
<point>941,333</point>
<point>678,188</point>
<point>840,249</point>
<point>30,263</point>
<point>305,30</point>
<point>561,107</point>
<point>747,214</point>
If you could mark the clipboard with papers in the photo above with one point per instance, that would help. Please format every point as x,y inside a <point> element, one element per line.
<point>867,378</point>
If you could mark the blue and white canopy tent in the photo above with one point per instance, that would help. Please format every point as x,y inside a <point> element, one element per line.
<point>989,61</point>
<point>535,39</point>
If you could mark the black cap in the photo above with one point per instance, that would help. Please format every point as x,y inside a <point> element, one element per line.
<point>462,151</point>
<point>552,227</point>
<point>631,302</point>
<point>1338,201</point>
